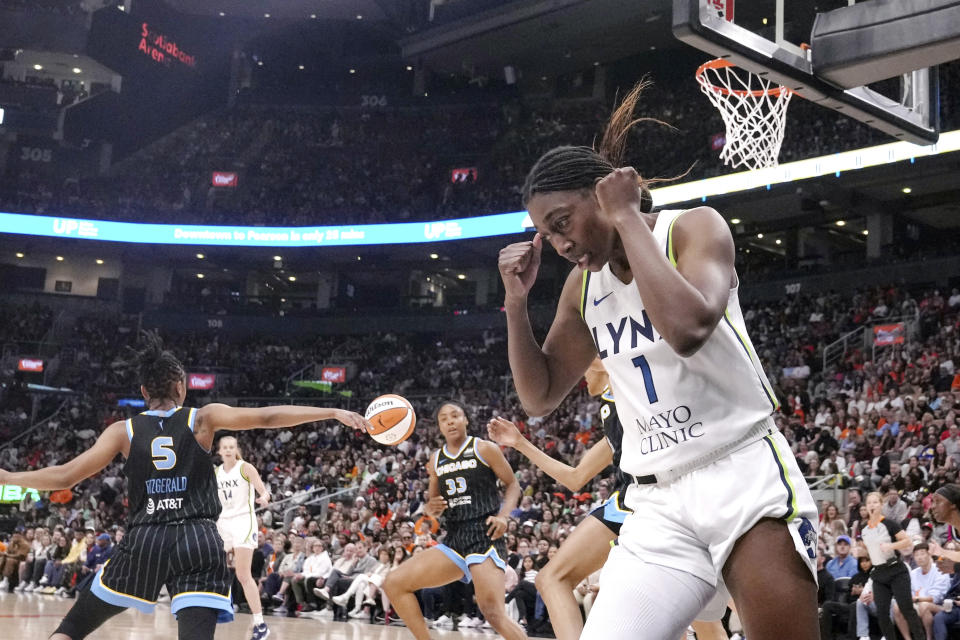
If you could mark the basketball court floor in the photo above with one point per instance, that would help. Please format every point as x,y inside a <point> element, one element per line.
<point>30,617</point>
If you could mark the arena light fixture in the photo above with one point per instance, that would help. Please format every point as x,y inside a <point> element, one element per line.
<point>301,67</point>
<point>735,220</point>
<point>760,236</point>
<point>77,70</point>
<point>865,232</point>
<point>512,223</point>
<point>434,256</point>
<point>99,260</point>
<point>19,254</point>
<point>266,15</point>
<point>59,258</point>
<point>277,258</point>
<point>200,276</point>
<point>292,278</point>
<point>200,256</point>
<point>222,14</point>
<point>359,16</point>
<point>353,70</point>
<point>313,16</point>
<point>259,63</point>
<point>38,67</point>
<point>841,223</point>
<point>778,241</point>
<point>409,68</point>
<point>461,276</point>
<point>907,190</point>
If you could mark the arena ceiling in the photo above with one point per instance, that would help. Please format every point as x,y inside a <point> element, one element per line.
<point>544,37</point>
<point>284,9</point>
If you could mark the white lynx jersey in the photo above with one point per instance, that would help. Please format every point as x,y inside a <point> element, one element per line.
<point>236,494</point>
<point>674,410</point>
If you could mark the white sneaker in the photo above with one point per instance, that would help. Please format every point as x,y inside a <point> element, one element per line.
<point>690,634</point>
<point>443,621</point>
<point>358,613</point>
<point>20,587</point>
<point>4,584</point>
<point>864,638</point>
<point>341,600</point>
<point>472,623</point>
<point>30,587</point>
<point>736,636</point>
<point>322,592</point>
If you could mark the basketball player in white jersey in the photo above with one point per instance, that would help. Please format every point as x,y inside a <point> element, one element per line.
<point>716,494</point>
<point>237,524</point>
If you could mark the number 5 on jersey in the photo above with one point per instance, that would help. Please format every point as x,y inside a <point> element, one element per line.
<point>164,457</point>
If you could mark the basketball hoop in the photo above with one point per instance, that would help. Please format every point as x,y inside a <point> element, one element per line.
<point>754,112</point>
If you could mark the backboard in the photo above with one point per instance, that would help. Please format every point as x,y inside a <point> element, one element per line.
<point>771,39</point>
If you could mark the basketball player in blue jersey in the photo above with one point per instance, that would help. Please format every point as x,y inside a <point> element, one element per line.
<point>587,548</point>
<point>463,488</point>
<point>171,535</point>
<point>715,493</point>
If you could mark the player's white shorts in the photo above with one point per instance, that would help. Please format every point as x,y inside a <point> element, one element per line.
<point>238,531</point>
<point>693,522</point>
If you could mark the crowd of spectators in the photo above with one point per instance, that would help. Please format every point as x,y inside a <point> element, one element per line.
<point>340,165</point>
<point>884,421</point>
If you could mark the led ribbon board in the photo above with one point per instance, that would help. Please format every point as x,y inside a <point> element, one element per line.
<point>463,228</point>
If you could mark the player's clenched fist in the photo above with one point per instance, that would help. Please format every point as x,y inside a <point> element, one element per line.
<point>619,192</point>
<point>518,264</point>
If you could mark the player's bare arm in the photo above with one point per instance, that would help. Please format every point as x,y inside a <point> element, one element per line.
<point>216,416</point>
<point>596,459</point>
<point>685,303</point>
<point>253,476</point>
<point>543,376</point>
<point>112,441</point>
<point>436,503</point>
<point>511,495</point>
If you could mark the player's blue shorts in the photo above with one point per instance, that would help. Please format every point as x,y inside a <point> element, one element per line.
<point>613,512</point>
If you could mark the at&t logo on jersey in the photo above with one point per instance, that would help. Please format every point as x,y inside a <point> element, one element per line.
<point>668,428</point>
<point>163,504</point>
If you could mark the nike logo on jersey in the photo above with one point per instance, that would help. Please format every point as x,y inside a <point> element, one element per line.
<point>596,301</point>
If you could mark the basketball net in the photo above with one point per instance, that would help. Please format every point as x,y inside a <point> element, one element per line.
<point>754,112</point>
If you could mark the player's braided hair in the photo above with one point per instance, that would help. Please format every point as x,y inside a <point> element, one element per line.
<point>574,168</point>
<point>159,369</point>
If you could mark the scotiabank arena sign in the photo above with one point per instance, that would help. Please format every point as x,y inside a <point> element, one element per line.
<point>224,179</point>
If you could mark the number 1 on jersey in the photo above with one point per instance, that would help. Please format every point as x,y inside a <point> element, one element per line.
<point>640,362</point>
<point>164,457</point>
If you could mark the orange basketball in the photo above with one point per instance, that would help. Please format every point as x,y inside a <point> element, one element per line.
<point>392,417</point>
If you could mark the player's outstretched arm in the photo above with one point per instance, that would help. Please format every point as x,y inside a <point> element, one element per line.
<point>597,458</point>
<point>220,416</point>
<point>511,496</point>
<point>63,476</point>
